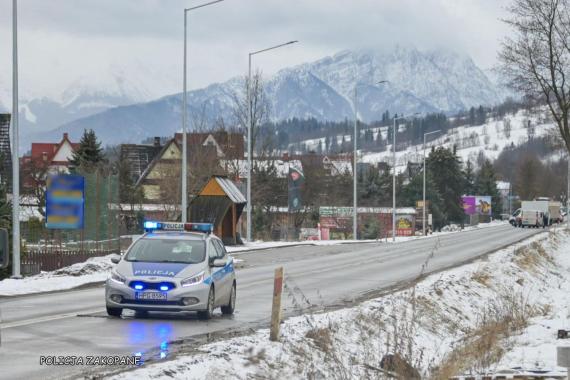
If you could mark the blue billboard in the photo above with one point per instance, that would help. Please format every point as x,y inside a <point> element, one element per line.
<point>65,202</point>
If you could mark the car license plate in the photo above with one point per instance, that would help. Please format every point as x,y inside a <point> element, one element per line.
<point>150,296</point>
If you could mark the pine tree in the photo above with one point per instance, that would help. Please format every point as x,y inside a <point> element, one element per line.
<point>89,153</point>
<point>469,179</point>
<point>413,192</point>
<point>528,178</point>
<point>445,167</point>
<point>486,184</point>
<point>481,115</point>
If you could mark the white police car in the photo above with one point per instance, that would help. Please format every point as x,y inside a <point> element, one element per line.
<point>173,267</point>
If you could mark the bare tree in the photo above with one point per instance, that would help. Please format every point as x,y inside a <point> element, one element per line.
<point>35,173</point>
<point>536,60</point>
<point>259,107</point>
<point>200,118</point>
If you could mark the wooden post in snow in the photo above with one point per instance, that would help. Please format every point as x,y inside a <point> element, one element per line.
<point>276,308</point>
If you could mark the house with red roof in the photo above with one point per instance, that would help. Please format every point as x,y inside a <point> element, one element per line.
<point>47,158</point>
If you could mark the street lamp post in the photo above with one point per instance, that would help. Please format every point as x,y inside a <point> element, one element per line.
<point>15,146</point>
<point>394,174</point>
<point>355,159</point>
<point>425,170</point>
<point>184,176</point>
<point>249,132</point>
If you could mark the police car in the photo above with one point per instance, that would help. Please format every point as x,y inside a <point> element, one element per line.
<point>173,267</point>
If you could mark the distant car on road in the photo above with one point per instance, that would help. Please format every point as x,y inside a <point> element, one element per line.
<point>513,218</point>
<point>173,267</point>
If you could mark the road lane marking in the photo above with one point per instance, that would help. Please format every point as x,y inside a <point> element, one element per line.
<point>47,318</point>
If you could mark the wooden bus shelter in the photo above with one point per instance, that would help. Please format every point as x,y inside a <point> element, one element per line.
<point>221,203</point>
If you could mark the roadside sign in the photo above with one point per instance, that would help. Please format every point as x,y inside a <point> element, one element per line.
<point>65,202</point>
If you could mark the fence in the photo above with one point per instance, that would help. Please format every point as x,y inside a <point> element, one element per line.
<point>37,261</point>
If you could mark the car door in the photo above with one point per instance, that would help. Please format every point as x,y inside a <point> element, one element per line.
<point>225,278</point>
<point>213,255</point>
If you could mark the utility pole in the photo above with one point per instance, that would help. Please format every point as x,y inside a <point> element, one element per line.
<point>184,196</point>
<point>394,181</point>
<point>425,170</point>
<point>354,171</point>
<point>249,135</point>
<point>15,148</point>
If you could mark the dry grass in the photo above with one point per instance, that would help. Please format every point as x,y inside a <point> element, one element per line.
<point>482,276</point>
<point>532,256</point>
<point>487,343</point>
<point>322,337</point>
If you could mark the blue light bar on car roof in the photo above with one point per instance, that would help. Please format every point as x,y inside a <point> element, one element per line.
<point>151,225</point>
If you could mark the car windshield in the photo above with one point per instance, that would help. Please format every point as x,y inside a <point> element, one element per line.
<point>167,251</point>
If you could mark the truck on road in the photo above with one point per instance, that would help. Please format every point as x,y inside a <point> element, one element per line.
<point>541,206</point>
<point>531,218</point>
<point>555,212</point>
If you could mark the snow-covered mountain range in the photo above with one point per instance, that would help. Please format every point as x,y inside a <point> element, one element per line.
<point>418,81</point>
<point>42,110</point>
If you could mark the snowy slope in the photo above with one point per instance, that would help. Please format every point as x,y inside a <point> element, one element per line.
<point>489,138</point>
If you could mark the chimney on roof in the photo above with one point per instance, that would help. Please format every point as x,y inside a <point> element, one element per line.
<point>66,136</point>
<point>156,141</point>
<point>286,156</point>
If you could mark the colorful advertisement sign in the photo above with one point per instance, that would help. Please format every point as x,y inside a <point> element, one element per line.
<point>477,204</point>
<point>483,205</point>
<point>296,180</point>
<point>405,225</point>
<point>65,201</point>
<point>469,205</point>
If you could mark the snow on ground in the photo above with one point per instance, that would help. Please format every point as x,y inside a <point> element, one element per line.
<point>95,269</point>
<point>500,314</point>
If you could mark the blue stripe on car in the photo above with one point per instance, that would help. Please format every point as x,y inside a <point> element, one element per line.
<point>221,273</point>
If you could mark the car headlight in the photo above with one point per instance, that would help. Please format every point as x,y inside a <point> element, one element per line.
<point>196,279</point>
<point>117,277</point>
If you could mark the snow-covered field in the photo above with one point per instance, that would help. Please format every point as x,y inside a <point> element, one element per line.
<point>499,314</point>
<point>97,269</point>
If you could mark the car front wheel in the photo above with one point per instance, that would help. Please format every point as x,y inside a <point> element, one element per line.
<point>114,311</point>
<point>231,306</point>
<point>209,312</point>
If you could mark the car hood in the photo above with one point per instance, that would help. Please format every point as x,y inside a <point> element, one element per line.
<point>146,269</point>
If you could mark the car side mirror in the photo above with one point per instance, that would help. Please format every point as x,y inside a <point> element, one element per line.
<point>218,263</point>
<point>4,248</point>
<point>115,259</point>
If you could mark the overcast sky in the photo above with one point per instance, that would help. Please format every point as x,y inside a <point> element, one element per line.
<point>62,40</point>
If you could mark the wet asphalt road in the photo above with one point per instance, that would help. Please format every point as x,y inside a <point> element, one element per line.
<point>75,323</point>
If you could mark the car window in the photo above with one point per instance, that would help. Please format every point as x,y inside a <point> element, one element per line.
<point>167,250</point>
<point>220,248</point>
<point>212,251</point>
